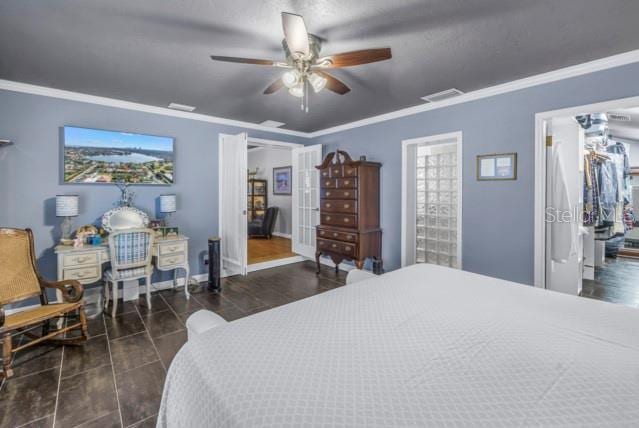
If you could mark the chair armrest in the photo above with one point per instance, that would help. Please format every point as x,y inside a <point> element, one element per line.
<point>1,317</point>
<point>71,289</point>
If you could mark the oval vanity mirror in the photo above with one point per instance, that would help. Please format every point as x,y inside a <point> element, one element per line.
<point>124,218</point>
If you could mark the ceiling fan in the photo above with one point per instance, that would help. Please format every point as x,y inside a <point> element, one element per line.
<point>305,65</point>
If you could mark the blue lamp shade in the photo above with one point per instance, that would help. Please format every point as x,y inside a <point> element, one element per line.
<point>168,203</point>
<point>67,205</point>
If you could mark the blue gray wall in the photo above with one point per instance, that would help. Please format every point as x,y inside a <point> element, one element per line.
<point>497,216</point>
<point>30,170</point>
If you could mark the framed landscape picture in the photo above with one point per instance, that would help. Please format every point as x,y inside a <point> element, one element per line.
<point>102,157</point>
<point>282,180</point>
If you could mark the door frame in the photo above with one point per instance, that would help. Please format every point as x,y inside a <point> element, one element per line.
<point>540,172</point>
<point>432,139</point>
<point>262,142</point>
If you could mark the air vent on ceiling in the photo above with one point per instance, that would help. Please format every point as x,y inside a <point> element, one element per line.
<point>443,95</point>
<point>618,117</point>
<point>272,123</point>
<point>181,107</point>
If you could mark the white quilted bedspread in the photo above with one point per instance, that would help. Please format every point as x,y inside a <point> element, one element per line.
<point>422,346</point>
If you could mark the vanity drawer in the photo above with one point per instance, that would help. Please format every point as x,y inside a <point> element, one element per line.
<point>171,248</point>
<point>339,206</point>
<point>338,194</point>
<point>171,260</point>
<point>337,247</point>
<point>84,274</point>
<point>343,220</point>
<point>339,236</point>
<point>347,183</point>
<point>80,259</point>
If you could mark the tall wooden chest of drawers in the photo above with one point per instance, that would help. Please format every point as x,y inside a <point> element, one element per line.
<point>349,211</point>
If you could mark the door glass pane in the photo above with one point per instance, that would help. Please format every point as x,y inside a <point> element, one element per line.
<point>436,196</point>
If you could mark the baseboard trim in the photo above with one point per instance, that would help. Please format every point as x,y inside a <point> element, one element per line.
<point>283,235</point>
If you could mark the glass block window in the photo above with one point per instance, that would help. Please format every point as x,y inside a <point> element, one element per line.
<point>436,204</point>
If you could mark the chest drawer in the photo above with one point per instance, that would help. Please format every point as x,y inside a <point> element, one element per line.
<point>347,183</point>
<point>171,248</point>
<point>171,260</point>
<point>339,206</point>
<point>336,171</point>
<point>338,236</point>
<point>343,220</point>
<point>328,183</point>
<point>338,194</point>
<point>325,173</point>
<point>349,171</point>
<point>80,259</point>
<point>337,247</point>
<point>85,274</point>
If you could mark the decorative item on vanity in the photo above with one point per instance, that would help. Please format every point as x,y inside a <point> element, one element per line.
<point>124,218</point>
<point>349,211</point>
<point>496,167</point>
<point>126,197</point>
<point>282,184</point>
<point>168,205</point>
<point>67,206</point>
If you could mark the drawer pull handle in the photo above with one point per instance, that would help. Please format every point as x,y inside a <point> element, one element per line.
<point>334,245</point>
<point>328,218</point>
<point>328,205</point>
<point>81,259</point>
<point>80,274</point>
<point>170,261</point>
<point>322,233</point>
<point>349,236</point>
<point>336,171</point>
<point>346,193</point>
<point>347,248</point>
<point>328,183</point>
<point>346,220</point>
<point>347,205</point>
<point>328,193</point>
<point>350,171</point>
<point>335,234</point>
<point>346,183</point>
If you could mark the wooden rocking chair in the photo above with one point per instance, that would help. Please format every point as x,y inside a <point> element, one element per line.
<point>20,280</point>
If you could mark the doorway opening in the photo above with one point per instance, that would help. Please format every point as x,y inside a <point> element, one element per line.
<point>432,200</point>
<point>269,204</point>
<point>591,201</point>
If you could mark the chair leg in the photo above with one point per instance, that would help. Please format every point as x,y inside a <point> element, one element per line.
<point>6,355</point>
<point>115,297</point>
<point>83,321</point>
<point>107,294</point>
<point>148,292</point>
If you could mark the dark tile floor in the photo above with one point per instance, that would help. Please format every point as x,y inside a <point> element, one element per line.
<point>616,282</point>
<point>115,379</point>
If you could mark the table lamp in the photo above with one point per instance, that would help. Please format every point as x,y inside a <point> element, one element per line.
<point>67,206</point>
<point>168,205</point>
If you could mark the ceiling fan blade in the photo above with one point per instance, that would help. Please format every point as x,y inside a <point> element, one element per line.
<point>243,60</point>
<point>274,87</point>
<point>333,84</point>
<point>349,59</point>
<point>295,33</point>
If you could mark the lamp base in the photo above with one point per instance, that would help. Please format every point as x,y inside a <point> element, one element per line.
<point>66,226</point>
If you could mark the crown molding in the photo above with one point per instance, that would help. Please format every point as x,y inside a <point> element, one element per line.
<point>515,85</point>
<point>129,105</point>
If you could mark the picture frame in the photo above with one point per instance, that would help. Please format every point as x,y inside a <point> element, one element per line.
<point>282,180</point>
<point>497,167</point>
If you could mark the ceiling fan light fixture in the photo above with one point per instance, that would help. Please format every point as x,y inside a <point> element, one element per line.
<point>297,90</point>
<point>317,82</point>
<point>291,78</point>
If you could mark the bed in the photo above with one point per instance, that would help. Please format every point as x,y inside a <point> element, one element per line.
<point>420,346</point>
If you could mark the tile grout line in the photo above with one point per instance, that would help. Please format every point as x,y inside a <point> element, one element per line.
<point>115,383</point>
<point>57,394</point>
<point>142,420</point>
<point>148,333</point>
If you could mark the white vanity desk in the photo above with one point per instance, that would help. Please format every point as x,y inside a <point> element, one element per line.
<point>85,263</point>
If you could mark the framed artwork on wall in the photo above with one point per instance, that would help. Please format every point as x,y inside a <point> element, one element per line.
<point>282,178</point>
<point>497,167</point>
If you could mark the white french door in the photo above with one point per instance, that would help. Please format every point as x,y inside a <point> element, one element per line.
<point>232,201</point>
<point>305,198</point>
<point>432,200</point>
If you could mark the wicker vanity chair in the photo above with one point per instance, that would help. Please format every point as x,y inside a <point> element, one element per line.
<point>20,280</point>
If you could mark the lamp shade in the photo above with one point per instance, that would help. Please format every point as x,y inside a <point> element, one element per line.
<point>67,205</point>
<point>168,203</point>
